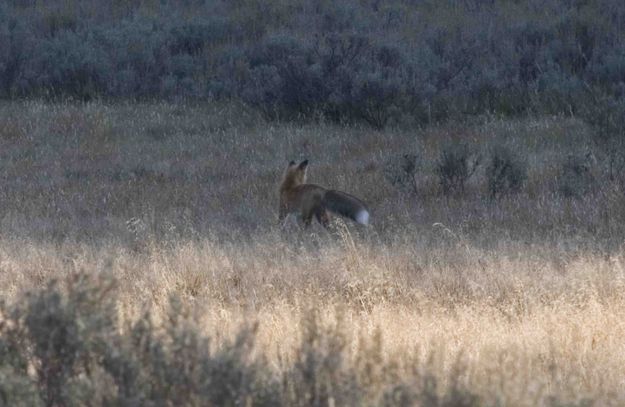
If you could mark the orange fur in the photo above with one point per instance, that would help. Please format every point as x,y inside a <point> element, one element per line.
<point>308,200</point>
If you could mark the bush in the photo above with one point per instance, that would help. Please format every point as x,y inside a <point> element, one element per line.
<point>576,178</point>
<point>347,62</point>
<point>192,38</point>
<point>341,77</point>
<point>606,115</point>
<point>401,171</point>
<point>68,65</point>
<point>73,339</point>
<point>505,172</point>
<point>457,163</point>
<point>377,96</point>
<point>69,336</point>
<point>15,51</point>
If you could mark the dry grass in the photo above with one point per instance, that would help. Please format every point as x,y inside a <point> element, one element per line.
<point>519,300</point>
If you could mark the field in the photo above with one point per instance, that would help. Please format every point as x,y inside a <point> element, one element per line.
<point>159,221</point>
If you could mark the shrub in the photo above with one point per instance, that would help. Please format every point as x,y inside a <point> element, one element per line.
<point>282,82</point>
<point>67,64</point>
<point>191,38</point>
<point>264,91</point>
<point>342,77</point>
<point>576,178</point>
<point>61,336</point>
<point>139,57</point>
<point>320,376</point>
<point>401,171</point>
<point>80,357</point>
<point>377,96</point>
<point>457,163</point>
<point>606,115</point>
<point>347,62</point>
<point>505,172</point>
<point>64,345</point>
<point>15,51</point>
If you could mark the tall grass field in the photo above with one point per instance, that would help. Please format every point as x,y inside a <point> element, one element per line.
<point>142,262</point>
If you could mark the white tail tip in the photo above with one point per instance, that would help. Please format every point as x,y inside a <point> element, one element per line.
<point>362,217</point>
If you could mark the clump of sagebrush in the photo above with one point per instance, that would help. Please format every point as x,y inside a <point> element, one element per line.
<point>64,345</point>
<point>341,77</point>
<point>575,178</point>
<point>375,62</point>
<point>505,172</point>
<point>606,115</point>
<point>320,375</point>
<point>72,339</point>
<point>401,171</point>
<point>457,163</point>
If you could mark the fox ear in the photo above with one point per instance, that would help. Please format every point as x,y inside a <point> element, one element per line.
<point>303,165</point>
<point>291,163</point>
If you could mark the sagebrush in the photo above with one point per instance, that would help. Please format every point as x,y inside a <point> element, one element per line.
<point>354,61</point>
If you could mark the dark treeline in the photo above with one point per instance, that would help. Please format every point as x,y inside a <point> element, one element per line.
<point>354,60</point>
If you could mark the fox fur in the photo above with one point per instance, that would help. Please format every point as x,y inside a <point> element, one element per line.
<point>309,200</point>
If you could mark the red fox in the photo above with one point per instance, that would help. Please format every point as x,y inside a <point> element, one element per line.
<point>312,200</point>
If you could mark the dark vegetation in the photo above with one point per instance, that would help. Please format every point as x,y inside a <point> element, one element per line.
<point>575,178</point>
<point>349,61</point>
<point>505,173</point>
<point>457,163</point>
<point>64,346</point>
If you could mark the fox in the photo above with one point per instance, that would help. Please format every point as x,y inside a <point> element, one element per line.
<point>310,200</point>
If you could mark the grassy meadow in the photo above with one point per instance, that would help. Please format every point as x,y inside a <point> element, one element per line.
<point>159,223</point>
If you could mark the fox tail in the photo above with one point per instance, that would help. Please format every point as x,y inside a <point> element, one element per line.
<point>346,205</point>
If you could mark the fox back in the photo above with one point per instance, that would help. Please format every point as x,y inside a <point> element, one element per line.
<point>313,200</point>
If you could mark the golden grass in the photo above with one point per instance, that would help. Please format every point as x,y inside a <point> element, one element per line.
<point>514,328</point>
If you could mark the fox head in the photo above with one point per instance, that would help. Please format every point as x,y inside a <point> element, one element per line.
<point>295,174</point>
